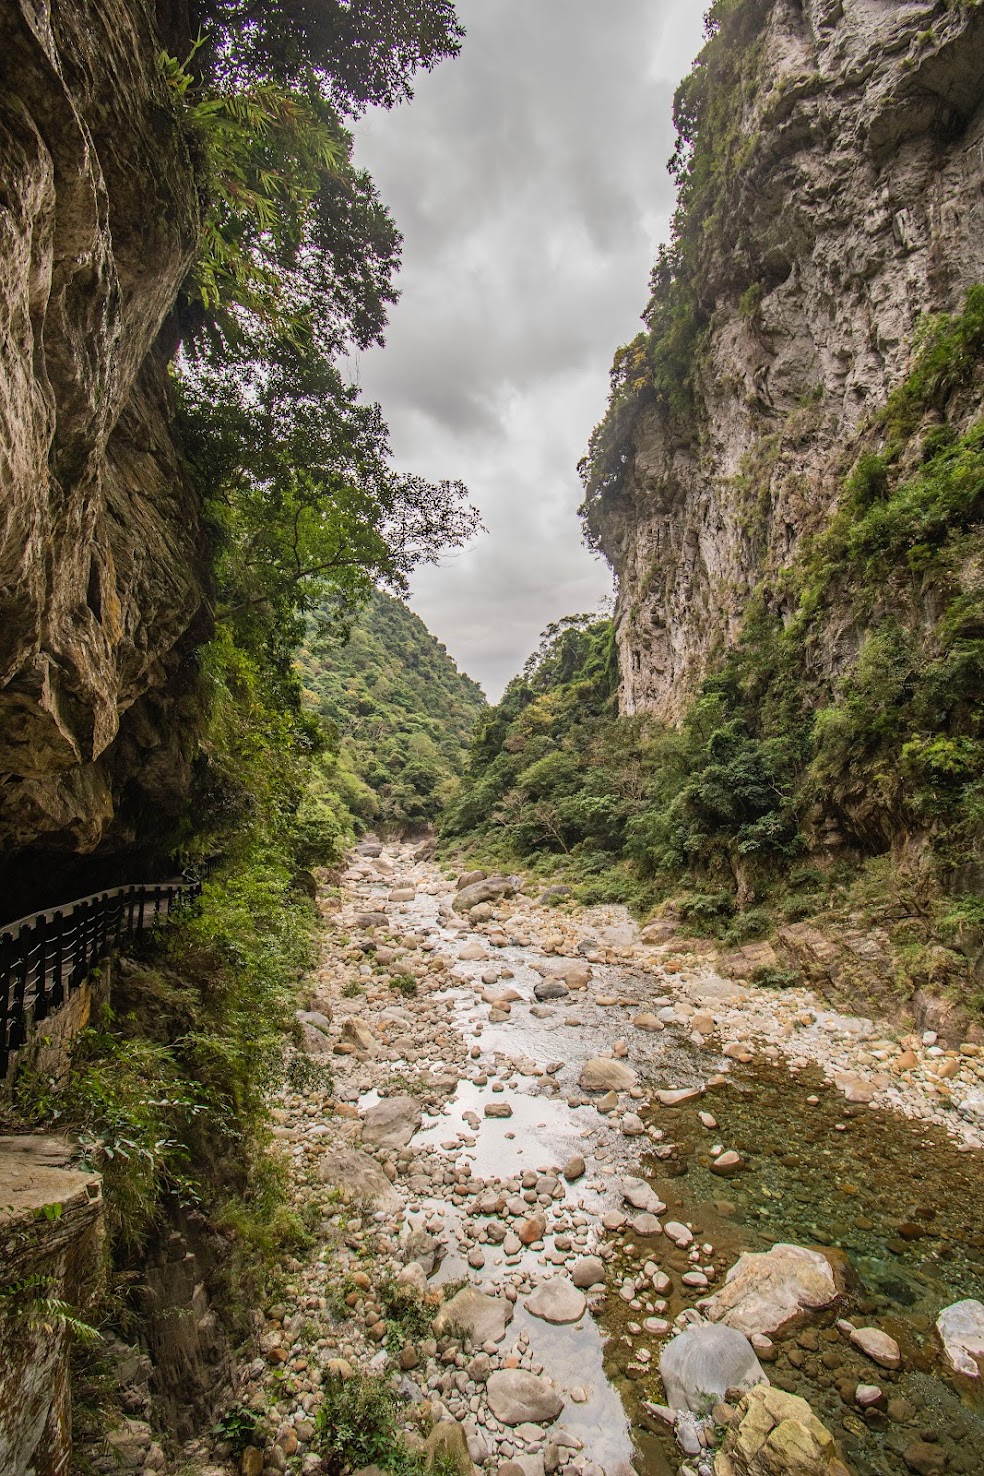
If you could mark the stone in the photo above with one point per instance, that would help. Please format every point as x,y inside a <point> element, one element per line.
<point>649,1022</point>
<point>878,1346</point>
<point>358,1033</point>
<point>680,1234</point>
<point>479,1316</point>
<point>532,1230</point>
<point>517,1397</point>
<point>770,1291</point>
<point>728,1163</point>
<point>633,1125</point>
<point>392,1122</point>
<point>447,1446</point>
<point>960,1328</point>
<point>488,889</point>
<point>358,1175</point>
<point>498,1109</point>
<point>679,1095</point>
<point>588,1271</point>
<point>557,1300</point>
<point>855,1088</point>
<point>777,1434</point>
<point>550,989</point>
<point>251,1461</point>
<point>706,1361</point>
<point>403,894</point>
<point>472,953</point>
<point>924,1458</point>
<point>638,1194</point>
<point>645,1226</point>
<point>574,1168</point>
<point>602,1075</point>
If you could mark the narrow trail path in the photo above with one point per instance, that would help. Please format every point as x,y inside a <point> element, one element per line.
<point>555,1141</point>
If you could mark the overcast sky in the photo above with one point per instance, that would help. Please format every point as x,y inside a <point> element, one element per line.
<point>529,180</point>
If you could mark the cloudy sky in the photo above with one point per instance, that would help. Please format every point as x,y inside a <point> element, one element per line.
<point>529,180</point>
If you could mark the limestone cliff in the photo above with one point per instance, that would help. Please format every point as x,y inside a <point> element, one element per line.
<point>101,572</point>
<point>844,201</point>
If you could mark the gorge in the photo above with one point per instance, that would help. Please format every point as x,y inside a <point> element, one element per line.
<point>692,917</point>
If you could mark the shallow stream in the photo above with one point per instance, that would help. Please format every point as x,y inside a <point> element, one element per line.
<point>896,1197</point>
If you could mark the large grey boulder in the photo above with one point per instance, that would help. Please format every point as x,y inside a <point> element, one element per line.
<point>517,1398</point>
<point>360,1176</point>
<point>392,1122</point>
<point>699,1366</point>
<point>961,1331</point>
<point>768,1292</point>
<point>479,1316</point>
<point>489,890</point>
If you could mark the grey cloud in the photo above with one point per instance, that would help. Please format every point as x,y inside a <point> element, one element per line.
<point>528,178</point>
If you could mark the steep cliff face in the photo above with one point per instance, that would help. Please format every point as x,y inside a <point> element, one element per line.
<point>101,572</point>
<point>845,202</point>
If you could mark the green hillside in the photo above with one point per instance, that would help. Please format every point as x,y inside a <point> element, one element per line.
<point>402,711</point>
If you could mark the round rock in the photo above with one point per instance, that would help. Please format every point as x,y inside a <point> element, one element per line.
<point>517,1397</point>
<point>557,1300</point>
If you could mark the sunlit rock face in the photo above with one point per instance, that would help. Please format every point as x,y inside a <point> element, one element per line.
<point>101,573</point>
<point>854,206</point>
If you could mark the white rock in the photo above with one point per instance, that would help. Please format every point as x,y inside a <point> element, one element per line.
<point>961,1330</point>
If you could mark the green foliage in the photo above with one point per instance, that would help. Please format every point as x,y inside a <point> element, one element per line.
<point>771,758</point>
<point>356,1423</point>
<point>403,712</point>
<point>656,373</point>
<point>238,1428</point>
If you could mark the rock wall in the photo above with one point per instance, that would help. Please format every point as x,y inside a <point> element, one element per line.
<point>102,584</point>
<point>51,1234</point>
<point>852,203</point>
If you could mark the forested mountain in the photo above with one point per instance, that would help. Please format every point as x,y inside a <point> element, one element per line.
<point>402,711</point>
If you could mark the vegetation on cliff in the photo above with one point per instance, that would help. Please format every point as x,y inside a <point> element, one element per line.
<point>400,713</point>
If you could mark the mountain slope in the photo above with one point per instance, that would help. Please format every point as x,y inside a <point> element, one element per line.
<point>403,712</point>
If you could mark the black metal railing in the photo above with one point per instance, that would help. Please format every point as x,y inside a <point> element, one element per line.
<point>45,957</point>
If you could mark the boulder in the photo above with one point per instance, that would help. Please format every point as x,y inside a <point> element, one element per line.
<point>314,1042</point>
<point>574,972</point>
<point>778,1435</point>
<point>602,1075</point>
<point>371,919</point>
<point>358,1033</point>
<point>638,1193</point>
<point>961,1331</point>
<point>360,1176</point>
<point>479,1316</point>
<point>392,1122</point>
<point>517,1398</point>
<point>770,1291</point>
<point>447,1447</point>
<point>648,1021</point>
<point>703,1362</point>
<point>489,889</point>
<point>557,1300</point>
<point>550,989</point>
<point>855,1088</point>
<point>469,879</point>
<point>588,1271</point>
